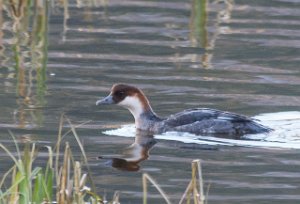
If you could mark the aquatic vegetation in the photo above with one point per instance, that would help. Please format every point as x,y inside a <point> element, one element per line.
<point>31,183</point>
<point>194,190</point>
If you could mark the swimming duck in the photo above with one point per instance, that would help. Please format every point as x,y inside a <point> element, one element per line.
<point>199,121</point>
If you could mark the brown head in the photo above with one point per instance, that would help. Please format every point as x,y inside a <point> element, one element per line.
<point>127,96</point>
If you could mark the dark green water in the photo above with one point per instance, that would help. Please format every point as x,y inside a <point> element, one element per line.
<point>240,56</point>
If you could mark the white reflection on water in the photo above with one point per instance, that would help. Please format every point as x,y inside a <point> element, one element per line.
<point>286,134</point>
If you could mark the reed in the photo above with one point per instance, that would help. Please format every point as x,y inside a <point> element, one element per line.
<point>30,183</point>
<point>194,190</point>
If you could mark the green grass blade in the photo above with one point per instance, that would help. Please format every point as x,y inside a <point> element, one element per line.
<point>41,192</point>
<point>16,144</point>
<point>11,156</point>
<point>49,184</point>
<point>57,146</point>
<point>5,176</point>
<point>35,172</point>
<point>24,190</point>
<point>49,173</point>
<point>38,194</point>
<point>13,190</point>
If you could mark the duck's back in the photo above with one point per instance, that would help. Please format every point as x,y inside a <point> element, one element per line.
<point>203,121</point>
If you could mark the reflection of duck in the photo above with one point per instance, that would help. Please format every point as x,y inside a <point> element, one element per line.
<point>134,154</point>
<point>200,121</point>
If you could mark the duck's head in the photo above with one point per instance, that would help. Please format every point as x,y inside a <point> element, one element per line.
<point>127,96</point>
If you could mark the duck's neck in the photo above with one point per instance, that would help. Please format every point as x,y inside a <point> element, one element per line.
<point>140,108</point>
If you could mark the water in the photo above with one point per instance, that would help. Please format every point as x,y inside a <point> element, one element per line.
<point>239,56</point>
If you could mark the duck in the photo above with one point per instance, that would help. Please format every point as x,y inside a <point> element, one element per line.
<point>198,121</point>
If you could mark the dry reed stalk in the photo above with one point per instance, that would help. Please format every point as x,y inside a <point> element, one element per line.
<point>193,188</point>
<point>147,177</point>
<point>62,188</point>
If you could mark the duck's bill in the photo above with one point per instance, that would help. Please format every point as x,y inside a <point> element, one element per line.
<point>105,101</point>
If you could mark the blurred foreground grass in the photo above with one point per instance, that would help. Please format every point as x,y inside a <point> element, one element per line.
<point>61,177</point>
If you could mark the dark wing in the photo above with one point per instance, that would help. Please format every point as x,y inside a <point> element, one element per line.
<point>211,121</point>
<point>200,114</point>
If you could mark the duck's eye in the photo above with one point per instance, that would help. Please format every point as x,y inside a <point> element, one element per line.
<point>120,93</point>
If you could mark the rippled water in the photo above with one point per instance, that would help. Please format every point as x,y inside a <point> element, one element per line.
<point>239,56</point>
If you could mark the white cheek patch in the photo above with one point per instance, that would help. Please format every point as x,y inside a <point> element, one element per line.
<point>133,104</point>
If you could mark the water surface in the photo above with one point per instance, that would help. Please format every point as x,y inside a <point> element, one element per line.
<point>240,56</point>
